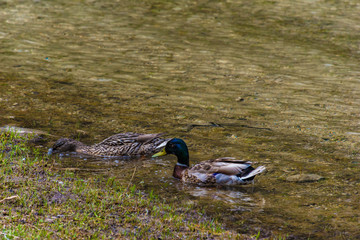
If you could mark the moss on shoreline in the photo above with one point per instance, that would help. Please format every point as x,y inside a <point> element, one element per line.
<point>39,202</point>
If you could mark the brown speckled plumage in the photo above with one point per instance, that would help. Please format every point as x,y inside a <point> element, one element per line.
<point>121,144</point>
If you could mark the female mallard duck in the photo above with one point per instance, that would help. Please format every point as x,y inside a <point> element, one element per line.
<point>222,171</point>
<point>121,144</point>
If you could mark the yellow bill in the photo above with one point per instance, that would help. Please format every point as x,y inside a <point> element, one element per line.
<point>161,153</point>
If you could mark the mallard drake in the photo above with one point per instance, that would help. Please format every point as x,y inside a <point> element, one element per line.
<point>221,171</point>
<point>121,144</point>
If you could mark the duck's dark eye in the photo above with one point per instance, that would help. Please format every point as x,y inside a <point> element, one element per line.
<point>59,144</point>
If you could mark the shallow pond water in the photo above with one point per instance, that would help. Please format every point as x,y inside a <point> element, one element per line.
<point>280,80</point>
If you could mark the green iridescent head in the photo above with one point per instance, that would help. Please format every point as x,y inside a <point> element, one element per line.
<point>177,147</point>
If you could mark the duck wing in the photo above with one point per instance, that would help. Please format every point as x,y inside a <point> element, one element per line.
<point>128,138</point>
<point>129,144</point>
<point>225,165</point>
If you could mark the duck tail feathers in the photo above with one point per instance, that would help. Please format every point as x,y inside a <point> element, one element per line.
<point>254,172</point>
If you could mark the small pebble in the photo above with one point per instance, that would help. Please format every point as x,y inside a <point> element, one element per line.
<point>49,220</point>
<point>300,178</point>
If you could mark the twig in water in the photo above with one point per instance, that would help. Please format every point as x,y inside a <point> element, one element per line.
<point>131,179</point>
<point>9,198</point>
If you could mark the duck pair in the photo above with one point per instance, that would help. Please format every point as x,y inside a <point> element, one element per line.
<point>220,171</point>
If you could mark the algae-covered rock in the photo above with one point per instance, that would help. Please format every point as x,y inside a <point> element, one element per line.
<point>300,178</point>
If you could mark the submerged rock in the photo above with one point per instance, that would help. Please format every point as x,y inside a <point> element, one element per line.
<point>239,99</point>
<point>300,178</point>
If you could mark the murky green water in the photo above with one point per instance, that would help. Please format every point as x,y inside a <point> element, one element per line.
<point>280,77</point>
